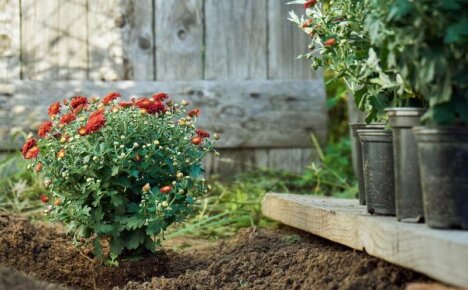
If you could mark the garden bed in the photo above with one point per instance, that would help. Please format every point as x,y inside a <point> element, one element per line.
<point>254,258</point>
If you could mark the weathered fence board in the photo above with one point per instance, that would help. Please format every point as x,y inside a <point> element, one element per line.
<point>179,40</point>
<point>138,40</point>
<point>236,39</point>
<point>105,45</point>
<point>286,42</point>
<point>247,113</point>
<point>9,40</point>
<point>39,39</point>
<point>225,41</point>
<point>72,36</point>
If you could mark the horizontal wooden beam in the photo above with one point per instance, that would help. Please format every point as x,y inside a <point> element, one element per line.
<point>249,114</point>
<point>440,254</point>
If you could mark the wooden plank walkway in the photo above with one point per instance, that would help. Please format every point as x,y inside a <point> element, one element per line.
<point>440,254</point>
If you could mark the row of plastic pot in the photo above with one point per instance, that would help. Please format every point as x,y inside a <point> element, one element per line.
<point>412,172</point>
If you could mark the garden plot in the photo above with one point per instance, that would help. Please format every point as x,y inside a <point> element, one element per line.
<point>255,258</point>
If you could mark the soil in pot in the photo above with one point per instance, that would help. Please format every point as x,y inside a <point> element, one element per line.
<point>358,155</point>
<point>255,259</point>
<point>378,169</point>
<point>443,157</point>
<point>408,193</point>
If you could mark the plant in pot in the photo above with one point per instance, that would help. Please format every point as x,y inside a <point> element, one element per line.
<point>387,45</point>
<point>341,44</point>
<point>433,59</point>
<point>119,173</point>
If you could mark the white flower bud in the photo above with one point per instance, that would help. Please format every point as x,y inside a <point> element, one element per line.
<point>95,158</point>
<point>135,144</point>
<point>122,146</point>
<point>156,142</point>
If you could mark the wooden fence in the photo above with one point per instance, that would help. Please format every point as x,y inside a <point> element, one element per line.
<point>235,59</point>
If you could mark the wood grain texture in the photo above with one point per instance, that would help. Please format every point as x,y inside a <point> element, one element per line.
<point>138,39</point>
<point>9,40</point>
<point>248,114</point>
<point>440,254</point>
<point>40,39</point>
<point>72,40</point>
<point>236,39</point>
<point>179,40</point>
<point>106,19</point>
<point>285,43</point>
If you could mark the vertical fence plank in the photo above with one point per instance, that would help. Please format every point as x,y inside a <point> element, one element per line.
<point>236,39</point>
<point>72,40</point>
<point>138,39</point>
<point>285,42</point>
<point>179,40</point>
<point>39,39</point>
<point>9,40</point>
<point>105,22</point>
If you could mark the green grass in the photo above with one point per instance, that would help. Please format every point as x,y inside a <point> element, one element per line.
<point>234,205</point>
<point>20,188</point>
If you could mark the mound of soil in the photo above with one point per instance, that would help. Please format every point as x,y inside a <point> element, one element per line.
<point>260,259</point>
<point>14,280</point>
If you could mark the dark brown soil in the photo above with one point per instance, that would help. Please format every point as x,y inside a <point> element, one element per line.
<point>255,259</point>
<point>13,280</point>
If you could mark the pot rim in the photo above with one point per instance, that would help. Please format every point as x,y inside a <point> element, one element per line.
<point>434,130</point>
<point>374,132</point>
<point>406,111</point>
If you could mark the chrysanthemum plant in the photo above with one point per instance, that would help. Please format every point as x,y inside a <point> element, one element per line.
<point>340,43</point>
<point>426,42</point>
<point>120,173</point>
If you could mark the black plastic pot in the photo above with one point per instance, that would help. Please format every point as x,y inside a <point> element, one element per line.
<point>379,179</point>
<point>408,194</point>
<point>358,154</point>
<point>443,159</point>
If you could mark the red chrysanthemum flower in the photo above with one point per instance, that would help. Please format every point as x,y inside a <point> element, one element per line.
<point>44,198</point>
<point>307,23</point>
<point>330,42</point>
<point>61,153</point>
<point>32,153</point>
<point>150,107</point>
<point>95,122</point>
<point>194,113</point>
<point>44,128</point>
<point>67,118</point>
<point>78,101</point>
<point>110,97</point>
<point>54,109</point>
<point>38,167</point>
<point>202,133</point>
<point>82,131</point>
<point>310,3</point>
<point>80,108</point>
<point>159,97</point>
<point>30,143</point>
<point>125,104</point>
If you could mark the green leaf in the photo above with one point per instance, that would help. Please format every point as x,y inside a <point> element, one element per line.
<point>115,170</point>
<point>134,239</point>
<point>116,245</point>
<point>153,228</point>
<point>103,228</point>
<point>133,222</point>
